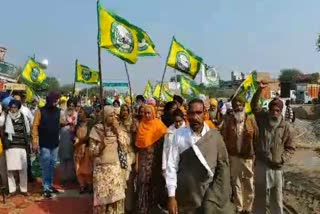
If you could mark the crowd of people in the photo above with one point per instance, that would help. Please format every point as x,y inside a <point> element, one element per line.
<point>198,157</point>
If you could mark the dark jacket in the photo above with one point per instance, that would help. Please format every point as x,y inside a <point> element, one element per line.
<point>250,136</point>
<point>46,127</point>
<point>283,137</point>
<point>197,193</point>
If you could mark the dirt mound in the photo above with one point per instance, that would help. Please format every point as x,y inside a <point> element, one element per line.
<point>307,132</point>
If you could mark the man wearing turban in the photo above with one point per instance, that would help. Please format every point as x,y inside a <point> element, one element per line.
<point>214,113</point>
<point>45,138</point>
<point>240,133</point>
<point>274,148</point>
<point>17,130</point>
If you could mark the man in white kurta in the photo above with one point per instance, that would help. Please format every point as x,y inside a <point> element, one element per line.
<point>16,130</point>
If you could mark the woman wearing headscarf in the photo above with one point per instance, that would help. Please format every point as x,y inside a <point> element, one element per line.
<point>108,181</point>
<point>66,148</point>
<point>83,161</point>
<point>148,141</point>
<point>126,124</point>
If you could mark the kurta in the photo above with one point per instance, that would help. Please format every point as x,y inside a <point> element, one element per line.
<point>82,158</point>
<point>108,180</point>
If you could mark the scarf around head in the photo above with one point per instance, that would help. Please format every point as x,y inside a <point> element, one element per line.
<point>150,131</point>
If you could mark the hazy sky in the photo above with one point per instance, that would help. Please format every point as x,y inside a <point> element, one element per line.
<point>242,35</point>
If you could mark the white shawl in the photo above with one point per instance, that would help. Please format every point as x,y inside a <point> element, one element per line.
<point>9,126</point>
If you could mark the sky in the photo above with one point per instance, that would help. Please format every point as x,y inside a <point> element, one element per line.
<point>264,35</point>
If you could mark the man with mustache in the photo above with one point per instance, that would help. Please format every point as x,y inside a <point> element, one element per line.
<point>198,173</point>
<point>240,133</point>
<point>274,148</point>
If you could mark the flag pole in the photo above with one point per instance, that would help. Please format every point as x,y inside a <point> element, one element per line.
<point>75,74</point>
<point>130,89</point>
<point>99,60</point>
<point>164,71</point>
<point>100,75</point>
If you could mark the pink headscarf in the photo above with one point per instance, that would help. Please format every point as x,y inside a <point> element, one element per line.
<point>151,101</point>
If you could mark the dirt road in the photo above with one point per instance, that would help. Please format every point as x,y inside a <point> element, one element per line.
<point>302,178</point>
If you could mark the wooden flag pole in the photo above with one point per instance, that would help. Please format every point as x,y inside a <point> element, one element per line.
<point>100,76</point>
<point>164,72</point>
<point>75,77</point>
<point>99,60</point>
<point>130,90</point>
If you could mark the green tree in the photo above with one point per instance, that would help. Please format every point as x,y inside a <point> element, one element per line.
<point>289,75</point>
<point>315,78</point>
<point>67,88</point>
<point>51,84</point>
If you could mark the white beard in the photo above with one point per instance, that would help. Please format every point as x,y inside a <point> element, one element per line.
<point>274,123</point>
<point>240,116</point>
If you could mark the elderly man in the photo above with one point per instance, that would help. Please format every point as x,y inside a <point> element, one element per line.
<point>274,148</point>
<point>17,129</point>
<point>198,173</point>
<point>214,113</point>
<point>240,133</point>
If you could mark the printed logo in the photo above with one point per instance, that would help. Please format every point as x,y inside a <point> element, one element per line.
<point>86,74</point>
<point>183,61</point>
<point>35,72</point>
<point>122,38</point>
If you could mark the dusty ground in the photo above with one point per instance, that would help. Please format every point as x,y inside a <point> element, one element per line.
<point>302,178</point>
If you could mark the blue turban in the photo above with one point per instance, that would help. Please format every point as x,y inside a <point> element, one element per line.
<point>15,102</point>
<point>6,101</point>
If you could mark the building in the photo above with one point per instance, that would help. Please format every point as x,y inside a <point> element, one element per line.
<point>237,76</point>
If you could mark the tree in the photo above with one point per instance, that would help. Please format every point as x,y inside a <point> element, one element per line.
<point>315,78</point>
<point>289,75</point>
<point>51,84</point>
<point>67,88</point>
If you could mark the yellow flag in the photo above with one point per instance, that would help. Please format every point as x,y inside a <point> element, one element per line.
<point>29,95</point>
<point>146,46</point>
<point>86,75</point>
<point>183,59</point>
<point>116,35</point>
<point>148,90</point>
<point>33,73</point>
<point>247,89</point>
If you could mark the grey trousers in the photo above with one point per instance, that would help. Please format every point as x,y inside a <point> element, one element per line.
<point>268,190</point>
<point>3,170</point>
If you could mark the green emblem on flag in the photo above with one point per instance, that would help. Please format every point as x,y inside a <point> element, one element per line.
<point>122,38</point>
<point>86,74</point>
<point>183,61</point>
<point>143,45</point>
<point>34,74</point>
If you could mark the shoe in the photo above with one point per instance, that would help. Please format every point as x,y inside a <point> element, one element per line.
<point>47,194</point>
<point>10,195</point>
<point>26,194</point>
<point>54,190</point>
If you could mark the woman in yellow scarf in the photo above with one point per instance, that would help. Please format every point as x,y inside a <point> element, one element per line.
<point>149,142</point>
